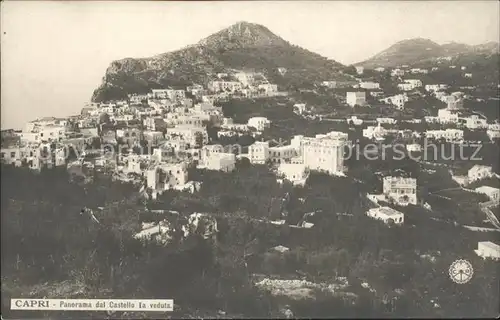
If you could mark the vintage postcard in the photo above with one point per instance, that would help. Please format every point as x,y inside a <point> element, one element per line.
<point>250,159</point>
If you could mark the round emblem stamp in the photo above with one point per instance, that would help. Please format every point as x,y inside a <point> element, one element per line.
<point>461,271</point>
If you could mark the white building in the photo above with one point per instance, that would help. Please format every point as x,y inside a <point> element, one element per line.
<point>397,72</point>
<point>258,152</point>
<point>387,215</point>
<point>375,132</point>
<point>299,108</point>
<point>473,122</point>
<point>268,88</point>
<point>398,100</point>
<point>492,193</point>
<point>435,87</point>
<point>329,84</point>
<point>296,173</point>
<point>410,84</point>
<point>13,156</point>
<point>194,136</point>
<point>259,123</point>
<point>354,120</point>
<point>419,70</point>
<point>282,154</point>
<point>224,86</point>
<point>467,75</point>
<point>369,85</point>
<point>450,135</point>
<point>386,120</point>
<point>479,172</point>
<point>166,176</point>
<point>454,101</point>
<point>356,98</point>
<point>245,78</point>
<point>325,152</point>
<point>360,70</point>
<point>446,115</point>
<point>402,191</point>
<point>213,157</point>
<point>380,69</point>
<point>493,131</point>
<point>488,250</point>
<point>170,94</point>
<point>414,147</point>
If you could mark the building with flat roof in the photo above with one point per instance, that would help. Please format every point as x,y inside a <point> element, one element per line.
<point>386,214</point>
<point>488,250</point>
<point>402,191</point>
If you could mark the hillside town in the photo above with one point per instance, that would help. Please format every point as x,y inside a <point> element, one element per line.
<point>196,143</point>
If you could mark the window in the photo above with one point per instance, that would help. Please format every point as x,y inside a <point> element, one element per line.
<point>3,155</point>
<point>12,154</point>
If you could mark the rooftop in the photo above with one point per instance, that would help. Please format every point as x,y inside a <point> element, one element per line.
<point>489,244</point>
<point>389,211</point>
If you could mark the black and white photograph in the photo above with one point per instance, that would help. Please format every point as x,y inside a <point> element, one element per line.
<point>250,159</point>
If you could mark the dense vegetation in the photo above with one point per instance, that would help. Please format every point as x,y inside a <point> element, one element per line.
<point>52,249</point>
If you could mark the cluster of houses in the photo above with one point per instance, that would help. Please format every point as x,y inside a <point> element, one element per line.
<point>324,152</point>
<point>170,123</point>
<point>244,84</point>
<point>397,190</point>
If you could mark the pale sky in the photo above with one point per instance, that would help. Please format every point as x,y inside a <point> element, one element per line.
<point>54,54</point>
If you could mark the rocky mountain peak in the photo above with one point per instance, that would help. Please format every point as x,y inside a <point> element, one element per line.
<point>243,34</point>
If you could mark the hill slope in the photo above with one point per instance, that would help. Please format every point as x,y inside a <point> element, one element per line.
<point>414,51</point>
<point>241,46</point>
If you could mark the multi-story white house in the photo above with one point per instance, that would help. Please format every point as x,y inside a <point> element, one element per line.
<point>325,152</point>
<point>259,152</point>
<point>387,215</point>
<point>259,123</point>
<point>356,98</point>
<point>402,191</point>
<point>165,176</point>
<point>194,136</point>
<point>488,250</point>
<point>213,157</point>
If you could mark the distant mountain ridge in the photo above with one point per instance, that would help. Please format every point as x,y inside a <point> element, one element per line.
<point>412,51</point>
<point>244,45</point>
